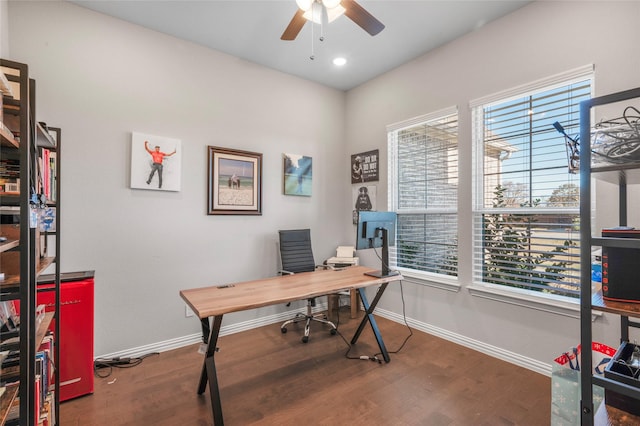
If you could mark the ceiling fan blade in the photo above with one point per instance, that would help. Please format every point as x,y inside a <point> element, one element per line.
<point>360,16</point>
<point>296,24</point>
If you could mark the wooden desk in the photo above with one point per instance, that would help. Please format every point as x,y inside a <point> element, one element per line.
<point>216,301</point>
<point>333,304</point>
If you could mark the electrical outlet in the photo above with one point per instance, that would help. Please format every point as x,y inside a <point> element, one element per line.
<point>187,311</point>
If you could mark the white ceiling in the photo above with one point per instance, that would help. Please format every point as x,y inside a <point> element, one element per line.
<point>251,30</point>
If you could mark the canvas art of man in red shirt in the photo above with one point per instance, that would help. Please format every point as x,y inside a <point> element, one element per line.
<point>158,157</point>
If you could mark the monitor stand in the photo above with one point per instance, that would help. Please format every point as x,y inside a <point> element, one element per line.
<point>381,274</point>
<point>385,271</point>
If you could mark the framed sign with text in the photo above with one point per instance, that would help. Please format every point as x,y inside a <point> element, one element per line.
<point>364,167</point>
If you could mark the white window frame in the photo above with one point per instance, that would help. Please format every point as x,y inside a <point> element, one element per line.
<point>521,297</point>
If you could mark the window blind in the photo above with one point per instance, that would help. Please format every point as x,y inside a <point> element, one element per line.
<point>424,193</point>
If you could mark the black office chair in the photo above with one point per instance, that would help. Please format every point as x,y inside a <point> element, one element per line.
<point>296,256</point>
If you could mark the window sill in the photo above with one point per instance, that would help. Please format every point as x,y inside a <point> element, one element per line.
<point>431,280</point>
<point>529,299</point>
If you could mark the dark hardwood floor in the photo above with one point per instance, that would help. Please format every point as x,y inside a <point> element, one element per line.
<point>271,378</point>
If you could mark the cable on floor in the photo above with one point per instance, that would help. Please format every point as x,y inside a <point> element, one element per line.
<point>377,356</point>
<point>100,364</point>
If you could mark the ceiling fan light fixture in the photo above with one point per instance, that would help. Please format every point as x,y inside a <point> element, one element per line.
<point>304,4</point>
<point>314,14</point>
<point>330,4</point>
<point>314,10</point>
<point>335,13</point>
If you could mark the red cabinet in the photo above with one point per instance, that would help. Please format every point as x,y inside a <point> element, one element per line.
<point>75,365</point>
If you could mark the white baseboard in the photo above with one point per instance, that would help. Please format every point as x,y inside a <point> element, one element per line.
<point>494,351</point>
<point>167,345</point>
<point>191,339</point>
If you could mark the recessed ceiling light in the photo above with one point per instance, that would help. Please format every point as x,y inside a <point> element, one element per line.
<point>339,61</point>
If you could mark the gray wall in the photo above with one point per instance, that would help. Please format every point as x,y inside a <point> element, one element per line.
<point>537,41</point>
<point>99,79</point>
<point>4,29</point>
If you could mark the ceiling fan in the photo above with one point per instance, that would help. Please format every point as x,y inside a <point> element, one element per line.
<point>313,9</point>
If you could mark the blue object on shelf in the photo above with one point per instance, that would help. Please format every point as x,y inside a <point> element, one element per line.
<point>596,272</point>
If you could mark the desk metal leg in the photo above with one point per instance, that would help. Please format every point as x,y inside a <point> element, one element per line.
<point>206,329</point>
<point>368,317</point>
<point>209,373</point>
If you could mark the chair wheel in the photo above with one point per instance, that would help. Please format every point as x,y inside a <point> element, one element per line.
<point>333,331</point>
<point>283,330</point>
<point>305,339</point>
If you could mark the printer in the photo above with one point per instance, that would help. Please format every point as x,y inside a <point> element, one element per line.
<point>343,258</point>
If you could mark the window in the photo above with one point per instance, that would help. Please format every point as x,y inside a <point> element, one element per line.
<point>526,201</point>
<point>423,191</point>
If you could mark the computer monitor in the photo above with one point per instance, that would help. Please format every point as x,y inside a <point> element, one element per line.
<point>377,230</point>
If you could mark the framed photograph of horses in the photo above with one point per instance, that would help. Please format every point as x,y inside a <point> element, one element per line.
<point>235,182</point>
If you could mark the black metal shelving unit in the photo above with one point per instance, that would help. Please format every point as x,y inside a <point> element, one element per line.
<point>622,175</point>
<point>24,255</point>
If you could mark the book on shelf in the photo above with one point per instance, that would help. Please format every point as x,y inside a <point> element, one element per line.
<point>11,105</point>
<point>11,359</point>
<point>8,341</point>
<point>47,413</point>
<point>47,163</point>
<point>41,365</point>
<point>44,378</point>
<point>9,168</point>
<point>46,348</point>
<point>9,186</point>
<point>4,321</point>
<point>37,400</point>
<point>53,160</point>
<point>10,374</point>
<point>9,318</point>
